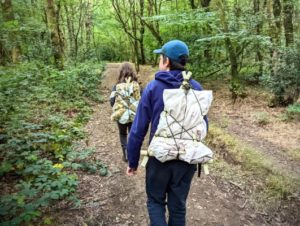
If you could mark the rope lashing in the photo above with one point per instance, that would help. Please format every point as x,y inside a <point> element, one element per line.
<point>186,85</point>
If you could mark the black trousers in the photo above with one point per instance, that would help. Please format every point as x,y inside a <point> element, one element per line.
<point>168,184</point>
<point>124,130</point>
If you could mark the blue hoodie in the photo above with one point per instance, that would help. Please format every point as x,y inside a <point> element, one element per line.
<point>150,106</point>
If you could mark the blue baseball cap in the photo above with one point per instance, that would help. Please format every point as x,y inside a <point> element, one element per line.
<point>174,50</point>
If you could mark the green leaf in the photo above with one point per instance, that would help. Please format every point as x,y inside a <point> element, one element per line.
<point>54,195</point>
<point>75,166</point>
<point>64,192</point>
<point>48,220</point>
<point>21,200</point>
<point>4,168</point>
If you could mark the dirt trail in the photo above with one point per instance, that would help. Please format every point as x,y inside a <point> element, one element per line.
<point>121,200</point>
<point>259,126</point>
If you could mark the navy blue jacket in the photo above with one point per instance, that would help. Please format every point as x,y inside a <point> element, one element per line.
<point>149,109</point>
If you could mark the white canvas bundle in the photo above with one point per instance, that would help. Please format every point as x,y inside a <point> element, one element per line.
<point>127,104</point>
<point>126,115</point>
<point>181,127</point>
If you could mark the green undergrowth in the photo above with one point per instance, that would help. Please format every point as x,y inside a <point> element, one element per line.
<point>294,153</point>
<point>42,113</point>
<point>250,168</point>
<point>293,111</point>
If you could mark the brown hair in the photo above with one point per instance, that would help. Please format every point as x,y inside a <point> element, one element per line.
<point>126,71</point>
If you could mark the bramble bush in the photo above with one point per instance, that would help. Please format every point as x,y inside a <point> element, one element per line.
<point>43,111</point>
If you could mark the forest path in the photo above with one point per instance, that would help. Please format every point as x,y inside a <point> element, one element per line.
<point>251,121</point>
<point>121,200</point>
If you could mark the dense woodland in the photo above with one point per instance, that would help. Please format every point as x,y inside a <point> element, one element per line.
<point>52,53</point>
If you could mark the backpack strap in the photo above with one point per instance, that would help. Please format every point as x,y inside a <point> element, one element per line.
<point>199,167</point>
<point>186,78</point>
<point>128,80</point>
<point>187,75</point>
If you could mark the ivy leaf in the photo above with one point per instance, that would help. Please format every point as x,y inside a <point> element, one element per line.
<point>54,195</point>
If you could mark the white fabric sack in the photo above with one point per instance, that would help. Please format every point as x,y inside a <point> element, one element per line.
<point>126,90</point>
<point>126,115</point>
<point>181,127</point>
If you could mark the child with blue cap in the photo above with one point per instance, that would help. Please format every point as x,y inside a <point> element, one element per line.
<point>168,183</point>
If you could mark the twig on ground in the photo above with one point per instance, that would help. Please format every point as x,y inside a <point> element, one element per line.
<point>236,185</point>
<point>245,203</point>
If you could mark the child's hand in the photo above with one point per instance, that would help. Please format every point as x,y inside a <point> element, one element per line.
<point>130,171</point>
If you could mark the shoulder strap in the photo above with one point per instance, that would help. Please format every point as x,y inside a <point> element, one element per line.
<point>128,80</point>
<point>186,78</point>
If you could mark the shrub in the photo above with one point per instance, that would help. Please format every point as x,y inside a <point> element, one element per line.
<point>293,111</point>
<point>284,82</point>
<point>42,112</point>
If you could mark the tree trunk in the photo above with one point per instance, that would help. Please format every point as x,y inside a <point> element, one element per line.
<point>56,39</point>
<point>288,10</point>
<point>207,55</point>
<point>60,33</point>
<point>259,56</point>
<point>192,4</point>
<point>233,60</point>
<point>8,15</point>
<point>76,39</point>
<point>154,10</point>
<point>130,19</point>
<point>235,83</point>
<point>154,29</point>
<point>89,24</point>
<point>142,48</point>
<point>142,32</point>
<point>230,48</point>
<point>70,30</point>
<point>272,33</point>
<point>3,54</point>
<point>205,3</point>
<point>277,17</point>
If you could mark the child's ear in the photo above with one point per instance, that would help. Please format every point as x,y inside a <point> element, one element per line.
<point>168,64</point>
